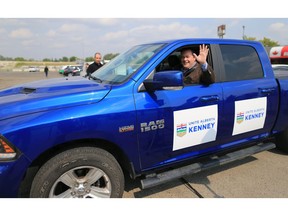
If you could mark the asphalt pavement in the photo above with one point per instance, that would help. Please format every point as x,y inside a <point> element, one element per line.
<point>263,175</point>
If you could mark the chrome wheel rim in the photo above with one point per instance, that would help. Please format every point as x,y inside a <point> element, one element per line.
<point>82,182</point>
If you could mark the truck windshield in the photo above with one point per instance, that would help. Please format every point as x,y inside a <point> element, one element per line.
<point>120,68</point>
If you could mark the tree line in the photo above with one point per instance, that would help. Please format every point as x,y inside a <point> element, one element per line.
<point>267,42</point>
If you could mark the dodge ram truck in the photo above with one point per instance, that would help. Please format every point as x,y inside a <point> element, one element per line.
<point>80,137</point>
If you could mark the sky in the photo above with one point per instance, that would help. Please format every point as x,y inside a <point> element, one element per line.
<point>38,38</point>
<point>63,31</point>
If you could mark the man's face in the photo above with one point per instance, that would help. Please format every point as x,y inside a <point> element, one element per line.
<point>187,59</point>
<point>97,58</point>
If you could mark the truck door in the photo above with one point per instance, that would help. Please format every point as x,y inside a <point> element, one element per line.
<point>177,124</point>
<point>250,95</point>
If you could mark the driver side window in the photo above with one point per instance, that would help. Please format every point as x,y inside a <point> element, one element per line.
<point>171,62</point>
<point>185,59</point>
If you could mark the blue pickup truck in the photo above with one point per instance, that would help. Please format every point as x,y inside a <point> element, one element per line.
<point>134,117</point>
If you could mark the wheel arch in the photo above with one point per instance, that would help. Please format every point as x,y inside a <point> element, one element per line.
<point>112,148</point>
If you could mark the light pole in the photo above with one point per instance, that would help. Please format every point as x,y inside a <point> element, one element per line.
<point>243,36</point>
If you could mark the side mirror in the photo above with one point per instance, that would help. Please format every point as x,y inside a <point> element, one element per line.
<point>165,80</point>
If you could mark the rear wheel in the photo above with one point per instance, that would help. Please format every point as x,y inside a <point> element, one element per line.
<point>282,141</point>
<point>84,172</point>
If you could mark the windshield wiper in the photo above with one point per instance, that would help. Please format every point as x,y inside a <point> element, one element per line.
<point>95,78</point>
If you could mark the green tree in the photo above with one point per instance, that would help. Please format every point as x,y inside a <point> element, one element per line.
<point>89,59</point>
<point>65,59</point>
<point>72,58</point>
<point>110,56</point>
<point>268,42</point>
<point>19,59</point>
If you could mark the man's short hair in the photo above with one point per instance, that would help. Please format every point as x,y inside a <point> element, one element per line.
<point>97,53</point>
<point>188,49</point>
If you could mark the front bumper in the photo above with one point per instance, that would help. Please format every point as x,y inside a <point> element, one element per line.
<point>11,176</point>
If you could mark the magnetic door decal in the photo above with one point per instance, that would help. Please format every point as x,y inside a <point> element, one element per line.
<point>195,126</point>
<point>249,115</point>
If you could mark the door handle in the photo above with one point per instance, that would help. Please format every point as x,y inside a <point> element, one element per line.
<point>267,90</point>
<point>210,98</point>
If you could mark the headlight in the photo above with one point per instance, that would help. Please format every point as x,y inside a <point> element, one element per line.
<point>7,151</point>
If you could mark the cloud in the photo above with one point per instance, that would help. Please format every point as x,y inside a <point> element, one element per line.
<point>108,21</point>
<point>118,35</point>
<point>71,28</point>
<point>2,30</point>
<point>28,43</point>
<point>143,31</point>
<point>58,45</point>
<point>77,39</point>
<point>281,30</point>
<point>177,29</point>
<point>21,33</point>
<point>165,31</point>
<point>278,27</point>
<point>51,33</point>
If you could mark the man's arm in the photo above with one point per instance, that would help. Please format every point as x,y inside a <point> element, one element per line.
<point>208,75</point>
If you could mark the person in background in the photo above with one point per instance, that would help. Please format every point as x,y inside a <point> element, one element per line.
<point>86,66</point>
<point>95,65</point>
<point>46,70</point>
<point>195,68</point>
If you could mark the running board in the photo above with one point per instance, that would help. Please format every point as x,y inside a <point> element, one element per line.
<point>157,179</point>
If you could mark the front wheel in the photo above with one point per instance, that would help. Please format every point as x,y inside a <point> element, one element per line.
<point>84,172</point>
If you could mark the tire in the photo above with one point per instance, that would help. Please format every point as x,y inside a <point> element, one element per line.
<point>84,172</point>
<point>282,141</point>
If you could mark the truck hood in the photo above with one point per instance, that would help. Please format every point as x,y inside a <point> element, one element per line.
<point>50,94</point>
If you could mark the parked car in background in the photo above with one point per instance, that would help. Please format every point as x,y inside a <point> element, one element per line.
<point>280,69</point>
<point>33,69</point>
<point>80,67</point>
<point>72,71</point>
<point>61,70</point>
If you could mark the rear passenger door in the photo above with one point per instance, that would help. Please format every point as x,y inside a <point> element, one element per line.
<point>250,97</point>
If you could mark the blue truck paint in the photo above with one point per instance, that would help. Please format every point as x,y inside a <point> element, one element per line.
<point>141,128</point>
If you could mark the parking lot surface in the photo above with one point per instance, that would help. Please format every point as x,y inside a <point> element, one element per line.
<point>263,175</point>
